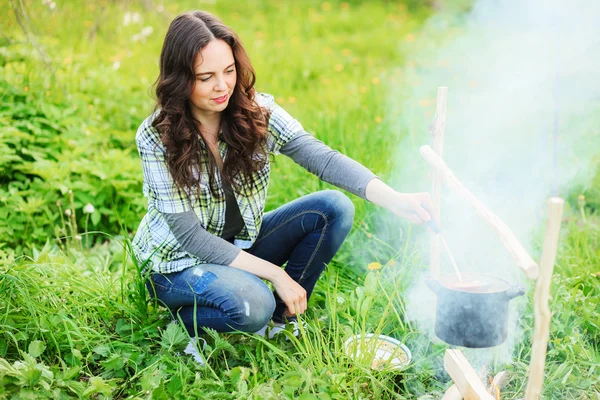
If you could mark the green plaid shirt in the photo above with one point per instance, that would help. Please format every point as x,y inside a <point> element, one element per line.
<point>154,240</point>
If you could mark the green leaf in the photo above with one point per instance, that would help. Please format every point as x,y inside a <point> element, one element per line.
<point>175,385</point>
<point>308,396</point>
<point>152,378</point>
<point>123,327</point>
<point>371,285</point>
<point>114,363</point>
<point>3,347</point>
<point>71,373</point>
<point>173,337</point>
<point>73,358</point>
<point>36,348</point>
<point>238,373</point>
<point>103,350</point>
<point>95,218</point>
<point>98,385</point>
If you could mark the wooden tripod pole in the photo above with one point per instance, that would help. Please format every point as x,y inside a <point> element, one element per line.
<point>542,293</point>
<point>508,238</point>
<point>438,131</point>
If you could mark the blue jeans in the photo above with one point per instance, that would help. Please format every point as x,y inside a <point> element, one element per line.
<point>304,234</point>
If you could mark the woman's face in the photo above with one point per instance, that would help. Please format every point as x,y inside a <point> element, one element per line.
<point>215,78</point>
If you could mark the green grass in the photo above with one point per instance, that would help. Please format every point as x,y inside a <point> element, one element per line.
<point>74,317</point>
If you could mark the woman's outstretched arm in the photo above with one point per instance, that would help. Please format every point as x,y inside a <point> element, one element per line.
<point>333,167</point>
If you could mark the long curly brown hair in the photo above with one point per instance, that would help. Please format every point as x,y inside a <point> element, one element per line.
<point>244,123</point>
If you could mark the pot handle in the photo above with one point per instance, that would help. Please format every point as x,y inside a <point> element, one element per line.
<point>434,285</point>
<point>514,291</point>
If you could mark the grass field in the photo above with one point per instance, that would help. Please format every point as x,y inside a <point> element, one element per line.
<point>74,317</point>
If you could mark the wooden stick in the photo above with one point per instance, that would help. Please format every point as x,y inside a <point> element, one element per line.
<point>452,393</point>
<point>499,381</point>
<point>439,129</point>
<point>464,376</point>
<point>542,293</point>
<point>508,238</point>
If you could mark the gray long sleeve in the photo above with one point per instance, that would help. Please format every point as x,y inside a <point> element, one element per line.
<point>329,165</point>
<point>194,239</point>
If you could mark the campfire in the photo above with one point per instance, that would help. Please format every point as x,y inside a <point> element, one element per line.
<point>482,294</point>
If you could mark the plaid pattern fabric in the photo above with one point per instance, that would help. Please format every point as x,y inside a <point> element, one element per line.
<point>154,241</point>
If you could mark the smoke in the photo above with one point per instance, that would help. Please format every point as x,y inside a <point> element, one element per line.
<point>523,82</point>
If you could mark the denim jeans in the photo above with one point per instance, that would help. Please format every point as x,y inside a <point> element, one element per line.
<point>304,235</point>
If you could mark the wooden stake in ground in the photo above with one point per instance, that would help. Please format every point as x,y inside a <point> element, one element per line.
<point>464,376</point>
<point>542,293</point>
<point>438,131</point>
<point>508,238</point>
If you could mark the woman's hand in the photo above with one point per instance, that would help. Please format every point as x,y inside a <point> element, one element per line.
<point>292,294</point>
<point>415,207</point>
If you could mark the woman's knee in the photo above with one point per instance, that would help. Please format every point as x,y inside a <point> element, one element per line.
<point>340,208</point>
<point>254,308</point>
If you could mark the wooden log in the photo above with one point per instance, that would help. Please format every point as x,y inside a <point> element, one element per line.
<point>500,380</point>
<point>452,394</point>
<point>464,376</point>
<point>541,296</point>
<point>508,238</point>
<point>438,132</point>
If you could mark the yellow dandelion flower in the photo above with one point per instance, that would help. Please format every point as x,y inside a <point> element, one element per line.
<point>291,100</point>
<point>374,266</point>
<point>339,67</point>
<point>344,6</point>
<point>363,89</point>
<point>409,38</point>
<point>369,235</point>
<point>346,52</point>
<point>392,262</point>
<point>375,81</point>
<point>326,6</point>
<point>425,102</point>
<point>378,119</point>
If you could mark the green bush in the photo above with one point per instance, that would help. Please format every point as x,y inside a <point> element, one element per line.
<point>48,149</point>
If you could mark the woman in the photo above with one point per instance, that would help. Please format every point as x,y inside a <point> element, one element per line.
<point>205,157</point>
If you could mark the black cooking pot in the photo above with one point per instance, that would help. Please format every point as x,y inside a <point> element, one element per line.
<point>472,313</point>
